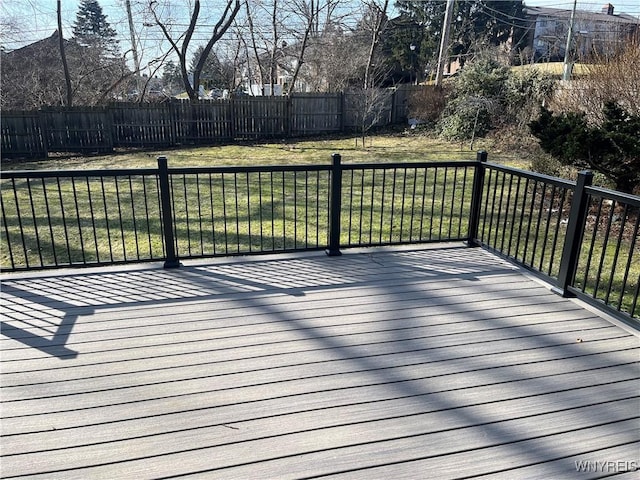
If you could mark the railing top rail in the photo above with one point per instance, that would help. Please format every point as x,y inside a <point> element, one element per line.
<point>432,164</point>
<point>111,172</point>
<point>249,169</point>
<point>621,197</point>
<point>559,182</point>
<point>8,174</point>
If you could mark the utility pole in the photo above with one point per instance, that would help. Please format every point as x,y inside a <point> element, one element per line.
<point>444,42</point>
<point>136,60</point>
<point>568,65</point>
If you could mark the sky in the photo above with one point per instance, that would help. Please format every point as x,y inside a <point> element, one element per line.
<point>33,20</point>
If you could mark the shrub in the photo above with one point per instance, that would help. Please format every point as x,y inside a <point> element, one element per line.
<point>611,147</point>
<point>466,117</point>
<point>476,99</point>
<point>427,104</point>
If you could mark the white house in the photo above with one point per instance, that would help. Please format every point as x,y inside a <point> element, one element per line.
<point>600,32</point>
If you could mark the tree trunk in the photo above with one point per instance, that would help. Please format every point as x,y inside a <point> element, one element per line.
<point>63,56</point>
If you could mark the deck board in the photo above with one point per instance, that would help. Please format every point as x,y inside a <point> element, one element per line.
<point>389,363</point>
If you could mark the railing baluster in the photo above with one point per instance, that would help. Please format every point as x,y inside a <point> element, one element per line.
<point>464,194</point>
<point>623,221</point>
<point>605,243</point>
<point>538,221</point>
<point>133,218</point>
<point>106,218</point>
<point>513,217</point>
<point>213,214</point>
<point>360,217</point>
<point>249,213</point>
<point>453,201</point>
<point>556,234</point>
<point>200,229</point>
<point>382,203</point>
<point>443,202</point>
<point>35,222</point>
<point>424,198</point>
<point>373,183</point>
<point>404,194</point>
<point>260,216</point>
<point>237,208</point>
<point>295,209</point>
<point>224,214</point>
<point>413,203</point>
<point>93,219</point>
<point>306,209</point>
<point>186,213</point>
<point>284,212</point>
<point>634,238</point>
<point>6,230</point>
<point>350,225</point>
<point>506,214</point>
<point>522,211</point>
<point>433,201</point>
<point>64,223</point>
<point>547,224</point>
<point>393,206</point>
<point>273,217</point>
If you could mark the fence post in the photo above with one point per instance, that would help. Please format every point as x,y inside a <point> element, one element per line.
<point>335,206</point>
<point>476,199</point>
<point>171,260</point>
<point>573,238</point>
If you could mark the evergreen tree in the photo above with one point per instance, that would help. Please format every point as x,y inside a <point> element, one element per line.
<point>611,148</point>
<point>476,24</point>
<point>91,28</point>
<point>214,73</point>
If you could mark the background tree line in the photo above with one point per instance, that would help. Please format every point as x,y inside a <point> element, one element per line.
<point>301,45</point>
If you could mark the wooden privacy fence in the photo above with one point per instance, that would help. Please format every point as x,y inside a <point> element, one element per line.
<point>126,125</point>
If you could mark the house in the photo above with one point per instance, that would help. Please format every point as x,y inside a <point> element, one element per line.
<point>594,33</point>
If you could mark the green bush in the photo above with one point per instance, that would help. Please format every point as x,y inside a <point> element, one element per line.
<point>476,98</point>
<point>466,117</point>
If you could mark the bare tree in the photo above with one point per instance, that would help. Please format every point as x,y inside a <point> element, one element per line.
<point>281,34</point>
<point>608,78</point>
<point>368,108</point>
<point>63,56</point>
<point>180,45</point>
<point>378,20</point>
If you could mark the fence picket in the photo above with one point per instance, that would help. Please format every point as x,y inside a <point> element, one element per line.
<point>126,125</point>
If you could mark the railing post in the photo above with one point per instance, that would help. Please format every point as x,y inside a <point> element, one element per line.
<point>573,237</point>
<point>335,206</point>
<point>476,199</point>
<point>171,260</point>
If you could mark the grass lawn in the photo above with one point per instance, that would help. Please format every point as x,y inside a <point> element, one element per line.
<point>118,219</point>
<point>390,147</point>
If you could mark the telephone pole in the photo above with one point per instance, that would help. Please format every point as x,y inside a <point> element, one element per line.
<point>568,64</point>
<point>136,60</point>
<point>444,42</point>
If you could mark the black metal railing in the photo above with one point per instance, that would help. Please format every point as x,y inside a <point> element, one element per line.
<point>73,218</point>
<point>583,239</point>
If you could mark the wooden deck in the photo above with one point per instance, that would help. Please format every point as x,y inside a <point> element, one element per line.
<point>432,363</point>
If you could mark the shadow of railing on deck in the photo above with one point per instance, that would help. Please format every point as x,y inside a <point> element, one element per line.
<point>431,393</point>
